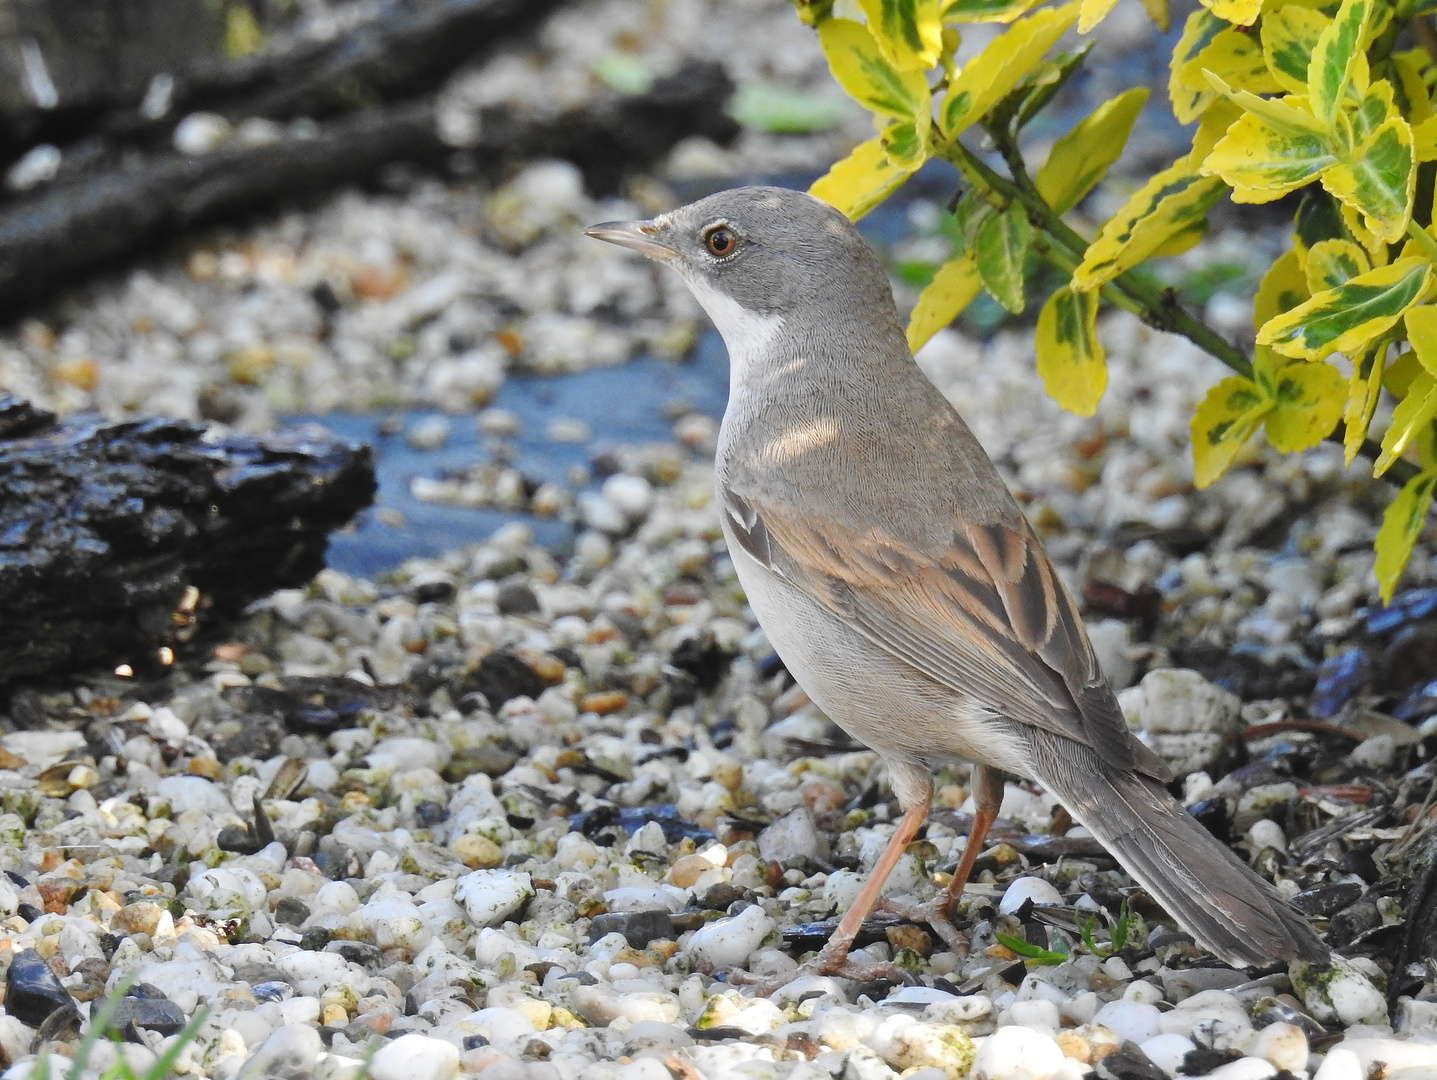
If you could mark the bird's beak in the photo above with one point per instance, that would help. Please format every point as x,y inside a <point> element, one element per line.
<point>639,235</point>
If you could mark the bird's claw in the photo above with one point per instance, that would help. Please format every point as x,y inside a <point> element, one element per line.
<point>934,913</point>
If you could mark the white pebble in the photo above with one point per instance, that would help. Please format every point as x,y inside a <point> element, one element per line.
<point>415,1057</point>
<point>1340,1064</point>
<point>1285,1045</point>
<point>1244,1068</point>
<point>1168,1051</point>
<point>39,165</point>
<point>491,896</point>
<point>1025,889</point>
<point>631,495</point>
<point>922,1047</point>
<point>201,132</point>
<point>728,942</point>
<point>1017,1053</point>
<point>290,1051</point>
<point>428,434</point>
<point>1036,1014</point>
<point>1131,1021</point>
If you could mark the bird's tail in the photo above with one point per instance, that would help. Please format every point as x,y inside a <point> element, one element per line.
<point>1226,907</point>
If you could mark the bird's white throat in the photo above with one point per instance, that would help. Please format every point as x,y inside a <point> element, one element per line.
<point>747,334</point>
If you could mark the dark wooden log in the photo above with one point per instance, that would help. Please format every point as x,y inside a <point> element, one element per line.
<point>119,538</point>
<point>104,52</point>
<point>48,240</point>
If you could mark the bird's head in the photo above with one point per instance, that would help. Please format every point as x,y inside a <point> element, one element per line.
<point>756,255</point>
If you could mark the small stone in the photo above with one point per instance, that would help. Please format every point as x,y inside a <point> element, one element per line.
<point>1168,1051</point>
<point>477,852</point>
<point>1285,1045</point>
<point>631,495</point>
<point>1015,1053</point>
<point>942,1046</point>
<point>200,133</point>
<point>795,835</point>
<point>1341,992</point>
<point>728,942</point>
<point>491,896</point>
<point>608,701</point>
<point>291,911</point>
<point>1186,719</point>
<point>601,1004</point>
<point>638,927</point>
<point>1131,1021</point>
<point>154,1014</point>
<point>289,1053</point>
<point>1340,1064</point>
<point>32,992</point>
<point>415,1057</point>
<point>1244,1068</point>
<point>907,936</point>
<point>1025,889</point>
<point>428,434</point>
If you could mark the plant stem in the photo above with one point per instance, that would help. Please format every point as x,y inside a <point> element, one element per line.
<point>1423,237</point>
<point>1156,307</point>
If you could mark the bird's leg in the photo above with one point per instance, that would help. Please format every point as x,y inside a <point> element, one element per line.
<point>987,788</point>
<point>833,959</point>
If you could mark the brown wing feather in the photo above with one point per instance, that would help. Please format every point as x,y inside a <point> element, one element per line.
<point>988,617</point>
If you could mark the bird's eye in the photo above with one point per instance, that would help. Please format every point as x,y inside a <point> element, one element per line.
<point>720,241</point>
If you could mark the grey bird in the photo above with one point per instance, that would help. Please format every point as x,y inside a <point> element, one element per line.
<point>900,583</point>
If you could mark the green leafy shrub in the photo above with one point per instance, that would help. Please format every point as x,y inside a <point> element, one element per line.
<point>1334,100</point>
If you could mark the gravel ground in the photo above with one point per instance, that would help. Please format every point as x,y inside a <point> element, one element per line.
<point>523,810</point>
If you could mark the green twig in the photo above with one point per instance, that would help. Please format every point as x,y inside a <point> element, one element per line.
<point>1061,245</point>
<point>1424,238</point>
<point>1154,305</point>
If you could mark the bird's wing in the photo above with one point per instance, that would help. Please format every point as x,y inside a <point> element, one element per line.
<point>986,617</point>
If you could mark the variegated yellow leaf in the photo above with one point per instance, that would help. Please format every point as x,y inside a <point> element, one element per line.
<point>1289,35</point>
<point>1421,325</point>
<point>1363,388</point>
<point>1261,163</point>
<point>1346,318</point>
<point>1339,65</point>
<point>1236,58</point>
<point>1080,158</point>
<point>1092,13</point>
<point>1171,203</point>
<point>1307,399</point>
<point>1216,119</point>
<point>943,299</point>
<point>1240,12</point>
<point>1070,357</point>
<point>1198,31</point>
<point>909,32</point>
<point>1401,526</point>
<point>1407,71</point>
<point>1289,115</point>
<point>1331,263</point>
<point>1222,424</point>
<point>989,76</point>
<point>856,184</point>
<point>1283,287</point>
<point>866,74</point>
<point>1379,179</point>
<point>1424,139</point>
<point>1412,415</point>
<point>964,11</point>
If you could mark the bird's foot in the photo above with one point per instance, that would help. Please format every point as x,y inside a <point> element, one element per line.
<point>934,913</point>
<point>829,961</point>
